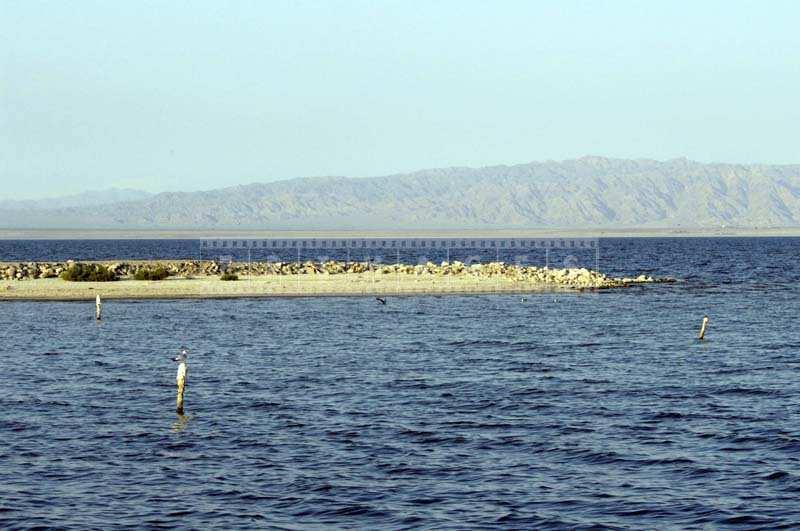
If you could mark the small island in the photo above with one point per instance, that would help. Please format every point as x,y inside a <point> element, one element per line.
<point>209,279</point>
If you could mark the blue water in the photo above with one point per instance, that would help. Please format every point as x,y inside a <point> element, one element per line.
<point>559,411</point>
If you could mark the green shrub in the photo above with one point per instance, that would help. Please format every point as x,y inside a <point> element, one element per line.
<point>158,273</point>
<point>229,276</point>
<point>88,273</point>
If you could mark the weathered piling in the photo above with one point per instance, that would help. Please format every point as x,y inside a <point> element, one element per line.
<point>98,308</point>
<point>179,401</point>
<point>180,378</point>
<point>703,328</point>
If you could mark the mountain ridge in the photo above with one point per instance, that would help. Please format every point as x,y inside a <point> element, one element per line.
<point>83,199</point>
<point>596,192</point>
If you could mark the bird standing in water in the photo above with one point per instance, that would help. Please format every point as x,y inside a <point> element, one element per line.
<point>180,378</point>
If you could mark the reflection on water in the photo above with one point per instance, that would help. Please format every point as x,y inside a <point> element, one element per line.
<point>182,422</point>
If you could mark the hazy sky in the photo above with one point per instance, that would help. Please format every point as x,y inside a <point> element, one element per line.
<point>176,95</point>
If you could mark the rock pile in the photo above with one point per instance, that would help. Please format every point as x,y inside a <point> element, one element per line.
<point>23,271</point>
<point>572,277</point>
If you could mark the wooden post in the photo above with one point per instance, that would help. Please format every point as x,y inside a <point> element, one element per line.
<point>183,371</point>
<point>98,308</point>
<point>179,403</point>
<point>703,328</point>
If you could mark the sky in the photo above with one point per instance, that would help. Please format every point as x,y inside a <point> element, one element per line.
<point>175,95</point>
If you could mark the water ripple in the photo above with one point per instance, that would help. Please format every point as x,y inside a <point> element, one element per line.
<point>596,412</point>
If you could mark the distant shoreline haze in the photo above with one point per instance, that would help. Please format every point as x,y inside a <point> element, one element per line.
<point>592,194</point>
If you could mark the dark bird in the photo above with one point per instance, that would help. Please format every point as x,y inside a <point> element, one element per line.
<point>380,300</point>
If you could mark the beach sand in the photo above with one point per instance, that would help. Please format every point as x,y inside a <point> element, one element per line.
<point>363,284</point>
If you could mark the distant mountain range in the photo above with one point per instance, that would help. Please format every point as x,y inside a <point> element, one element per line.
<point>86,199</point>
<point>590,192</point>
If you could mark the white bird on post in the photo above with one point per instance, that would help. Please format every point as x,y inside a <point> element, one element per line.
<point>180,378</point>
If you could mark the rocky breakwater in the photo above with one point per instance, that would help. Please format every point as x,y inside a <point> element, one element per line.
<point>30,270</point>
<point>567,277</point>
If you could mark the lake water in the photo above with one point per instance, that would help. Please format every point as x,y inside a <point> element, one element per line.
<point>556,411</point>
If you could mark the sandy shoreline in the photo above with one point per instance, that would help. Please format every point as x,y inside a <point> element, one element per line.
<point>55,289</point>
<point>201,279</point>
